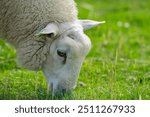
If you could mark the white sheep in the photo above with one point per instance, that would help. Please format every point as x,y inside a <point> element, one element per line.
<point>47,36</point>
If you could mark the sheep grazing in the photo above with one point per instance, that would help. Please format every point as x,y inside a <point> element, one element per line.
<point>47,36</point>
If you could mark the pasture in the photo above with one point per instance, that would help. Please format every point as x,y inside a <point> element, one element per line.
<point>117,67</point>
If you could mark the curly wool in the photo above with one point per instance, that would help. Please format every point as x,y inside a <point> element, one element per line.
<point>20,19</point>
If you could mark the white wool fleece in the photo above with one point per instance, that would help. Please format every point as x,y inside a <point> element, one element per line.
<point>20,19</point>
<point>23,17</point>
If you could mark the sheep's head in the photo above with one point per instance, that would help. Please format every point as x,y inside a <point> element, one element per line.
<point>65,50</point>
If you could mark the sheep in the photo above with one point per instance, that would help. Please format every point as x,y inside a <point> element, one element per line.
<point>47,36</point>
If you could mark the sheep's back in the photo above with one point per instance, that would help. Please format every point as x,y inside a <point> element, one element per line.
<point>21,18</point>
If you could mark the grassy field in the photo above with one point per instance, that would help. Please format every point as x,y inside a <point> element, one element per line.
<point>118,66</point>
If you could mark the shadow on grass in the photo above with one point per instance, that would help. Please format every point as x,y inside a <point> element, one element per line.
<point>60,96</point>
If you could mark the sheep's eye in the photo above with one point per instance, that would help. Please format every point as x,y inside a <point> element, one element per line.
<point>51,35</point>
<point>61,53</point>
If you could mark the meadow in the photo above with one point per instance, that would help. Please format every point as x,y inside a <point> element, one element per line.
<point>117,67</point>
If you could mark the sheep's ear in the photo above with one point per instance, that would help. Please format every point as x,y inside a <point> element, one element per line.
<point>50,29</point>
<point>87,24</point>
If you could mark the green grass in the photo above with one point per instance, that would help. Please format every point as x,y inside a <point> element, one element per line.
<point>118,66</point>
